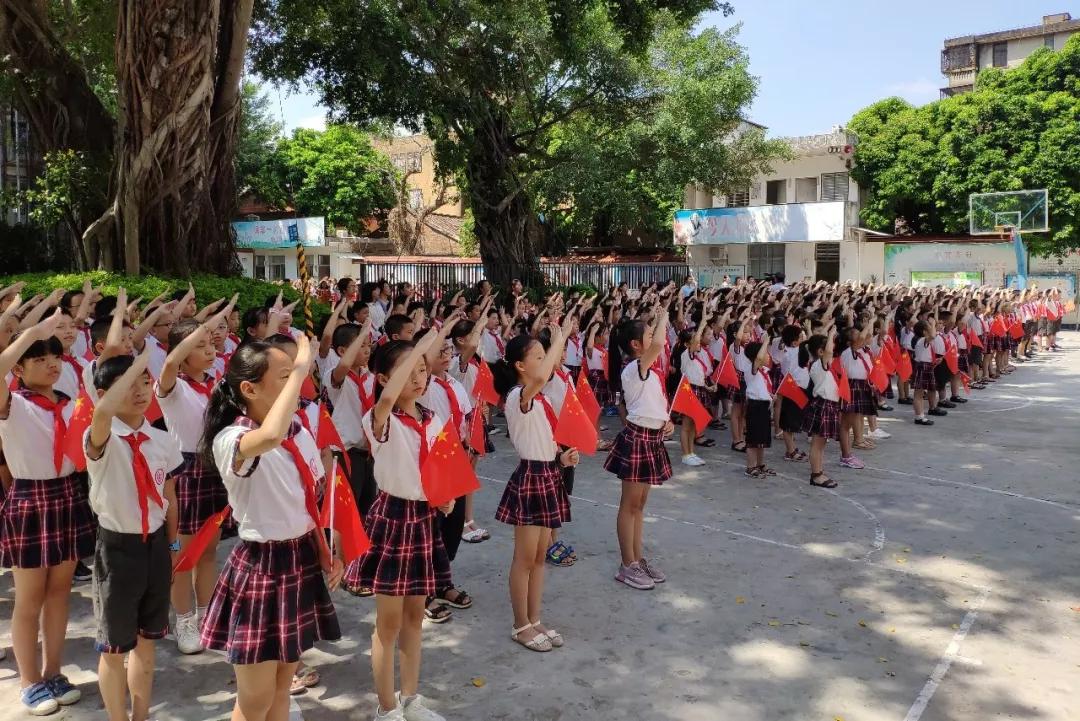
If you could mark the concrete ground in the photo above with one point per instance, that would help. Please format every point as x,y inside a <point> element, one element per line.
<point>940,584</point>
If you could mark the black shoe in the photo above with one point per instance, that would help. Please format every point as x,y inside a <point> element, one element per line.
<point>904,401</point>
<point>937,412</point>
<point>923,422</point>
<point>82,573</point>
<point>889,394</point>
<point>885,407</point>
<point>958,399</point>
<point>946,404</point>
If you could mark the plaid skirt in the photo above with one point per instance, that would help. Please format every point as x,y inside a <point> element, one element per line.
<point>600,387</point>
<point>962,361</point>
<point>862,398</point>
<point>200,493</point>
<point>738,395</point>
<point>45,523</point>
<point>923,378</point>
<point>822,418</point>
<point>776,377</point>
<point>995,343</point>
<point>758,424</point>
<point>535,496</point>
<point>407,556</point>
<point>791,416</point>
<point>270,603</point>
<point>639,456</point>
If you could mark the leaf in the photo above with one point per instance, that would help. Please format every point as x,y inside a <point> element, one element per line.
<point>479,682</point>
<point>830,613</point>
<point>774,623</point>
<point>740,600</point>
<point>862,623</point>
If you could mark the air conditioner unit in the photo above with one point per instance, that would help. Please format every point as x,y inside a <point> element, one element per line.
<point>718,254</point>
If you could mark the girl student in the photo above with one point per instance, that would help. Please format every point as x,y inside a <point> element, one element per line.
<point>759,392</point>
<point>857,363</point>
<point>905,322</point>
<point>596,343</point>
<point>923,383</point>
<point>407,562</point>
<point>47,524</point>
<point>738,334</point>
<point>639,458</point>
<point>534,501</point>
<point>184,390</point>
<point>272,601</point>
<point>794,359</point>
<point>693,362</point>
<point>822,419</point>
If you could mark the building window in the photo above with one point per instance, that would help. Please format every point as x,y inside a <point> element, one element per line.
<point>1001,55</point>
<point>408,162</point>
<point>260,266</point>
<point>277,267</point>
<point>764,259</point>
<point>416,198</point>
<point>834,186</point>
<point>1048,42</point>
<point>318,266</point>
<point>806,190</point>
<point>776,192</point>
<point>739,199</point>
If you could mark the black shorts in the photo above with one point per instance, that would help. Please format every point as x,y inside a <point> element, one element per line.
<point>758,424</point>
<point>942,375</point>
<point>132,579</point>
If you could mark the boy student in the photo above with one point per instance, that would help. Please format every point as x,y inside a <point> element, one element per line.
<point>133,493</point>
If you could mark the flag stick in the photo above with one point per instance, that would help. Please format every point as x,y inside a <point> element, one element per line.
<point>333,496</point>
<point>674,395</point>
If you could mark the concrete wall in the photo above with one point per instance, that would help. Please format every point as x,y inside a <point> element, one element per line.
<point>799,261</point>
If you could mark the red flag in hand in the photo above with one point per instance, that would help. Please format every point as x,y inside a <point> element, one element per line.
<point>575,429</point>
<point>308,390</point>
<point>485,385</point>
<point>587,397</point>
<point>843,386</point>
<point>998,327</point>
<point>1016,330</point>
<point>446,473</point>
<point>687,403</point>
<point>76,429</point>
<point>190,556</point>
<point>966,380</point>
<point>346,521</point>
<point>477,439</point>
<point>790,389</point>
<point>327,436</point>
<point>888,363</point>
<point>973,339</point>
<point>952,359</point>
<point>879,377</point>
<point>725,374</point>
<point>903,368</point>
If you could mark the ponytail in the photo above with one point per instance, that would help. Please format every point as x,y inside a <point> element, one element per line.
<point>504,371</point>
<point>248,363</point>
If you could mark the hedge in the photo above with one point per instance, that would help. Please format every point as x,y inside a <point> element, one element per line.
<point>208,288</point>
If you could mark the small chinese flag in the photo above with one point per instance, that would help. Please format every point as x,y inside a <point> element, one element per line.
<point>477,439</point>
<point>952,360</point>
<point>327,435</point>
<point>1016,330</point>
<point>879,377</point>
<point>998,327</point>
<point>973,339</point>
<point>346,520</point>
<point>80,421</point>
<point>575,429</point>
<point>587,397</point>
<point>903,368</point>
<point>446,472</point>
<point>485,385</point>
<point>308,389</point>
<point>843,386</point>
<point>790,389</point>
<point>190,556</point>
<point>725,374</point>
<point>888,363</point>
<point>687,403</point>
<point>966,380</point>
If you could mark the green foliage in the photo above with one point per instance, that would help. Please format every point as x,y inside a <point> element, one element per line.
<point>259,134</point>
<point>468,245</point>
<point>336,173</point>
<point>87,28</point>
<point>1019,129</point>
<point>70,181</point>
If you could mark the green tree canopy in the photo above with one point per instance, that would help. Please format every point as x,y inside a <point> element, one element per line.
<point>1019,129</point>
<point>259,134</point>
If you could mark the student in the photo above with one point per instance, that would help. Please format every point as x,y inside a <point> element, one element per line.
<point>693,363</point>
<point>738,336</point>
<point>639,458</point>
<point>256,323</point>
<point>70,382</point>
<point>822,419</point>
<point>398,327</point>
<point>493,341</point>
<point>941,344</point>
<point>407,562</point>
<point>794,359</point>
<point>907,340</point>
<point>47,524</point>
<point>575,352</point>
<point>534,500</point>
<point>596,344</point>
<point>132,491</point>
<point>857,364</point>
<point>922,381</point>
<point>369,297</point>
<point>272,601</point>
<point>352,391</point>
<point>759,392</point>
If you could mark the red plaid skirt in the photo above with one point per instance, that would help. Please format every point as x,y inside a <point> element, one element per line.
<point>200,493</point>
<point>639,456</point>
<point>600,387</point>
<point>923,377</point>
<point>270,603</point>
<point>535,496</point>
<point>862,398</point>
<point>822,418</point>
<point>45,523</point>
<point>407,556</point>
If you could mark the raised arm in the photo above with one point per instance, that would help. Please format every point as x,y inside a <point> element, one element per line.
<point>12,354</point>
<point>177,355</point>
<point>554,354</point>
<point>348,358</point>
<point>272,432</point>
<point>327,339</point>
<point>396,383</point>
<point>655,337</point>
<point>110,402</point>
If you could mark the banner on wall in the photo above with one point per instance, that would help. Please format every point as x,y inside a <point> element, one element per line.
<point>713,277</point>
<point>945,278</point>
<point>992,260</point>
<point>1064,282</point>
<point>277,234</point>
<point>789,223</point>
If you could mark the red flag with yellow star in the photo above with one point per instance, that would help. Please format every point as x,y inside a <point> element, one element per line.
<point>687,403</point>
<point>575,429</point>
<point>446,473</point>
<point>587,397</point>
<point>346,518</point>
<point>191,554</point>
<point>485,385</point>
<point>80,421</point>
<point>790,389</point>
<point>879,377</point>
<point>903,368</point>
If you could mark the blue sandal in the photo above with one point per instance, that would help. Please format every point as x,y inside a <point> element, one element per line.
<point>559,554</point>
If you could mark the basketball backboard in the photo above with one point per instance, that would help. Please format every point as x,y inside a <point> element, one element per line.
<point>1023,210</point>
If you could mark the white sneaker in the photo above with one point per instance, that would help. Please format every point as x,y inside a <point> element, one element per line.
<point>879,433</point>
<point>693,460</point>
<point>187,634</point>
<point>415,710</point>
<point>395,715</point>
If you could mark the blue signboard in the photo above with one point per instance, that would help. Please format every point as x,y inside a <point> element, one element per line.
<point>275,234</point>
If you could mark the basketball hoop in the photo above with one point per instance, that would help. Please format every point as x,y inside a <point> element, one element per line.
<point>1005,231</point>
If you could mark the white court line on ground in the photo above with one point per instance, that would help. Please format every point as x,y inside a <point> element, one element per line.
<point>952,654</point>
<point>294,710</point>
<point>976,487</point>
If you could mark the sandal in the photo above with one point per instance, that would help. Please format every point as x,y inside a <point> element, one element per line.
<point>472,534</point>
<point>717,425</point>
<point>540,642</point>
<point>605,445</point>
<point>765,470</point>
<point>361,592</point>
<point>461,599</point>
<point>704,442</point>
<point>558,554</point>
<point>827,483</point>
<point>795,456</point>
<point>865,445</point>
<point>436,612</point>
<point>739,446</point>
<point>303,679</point>
<point>554,636</point>
<point>752,473</point>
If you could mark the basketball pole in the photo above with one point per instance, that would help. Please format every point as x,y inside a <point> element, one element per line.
<point>301,264</point>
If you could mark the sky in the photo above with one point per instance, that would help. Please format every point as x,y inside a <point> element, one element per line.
<point>818,62</point>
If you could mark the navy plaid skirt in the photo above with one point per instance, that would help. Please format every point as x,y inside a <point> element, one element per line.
<point>270,603</point>
<point>535,496</point>
<point>862,398</point>
<point>200,493</point>
<point>923,377</point>
<point>45,523</point>
<point>639,456</point>
<point>822,418</point>
<point>775,375</point>
<point>962,362</point>
<point>407,556</point>
<point>600,387</point>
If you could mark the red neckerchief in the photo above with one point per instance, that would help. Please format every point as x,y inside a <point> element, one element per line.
<point>302,416</point>
<point>549,412</point>
<point>70,360</point>
<point>768,381</point>
<point>865,363</point>
<point>59,424</point>
<point>204,388</point>
<point>367,400</point>
<point>704,368</point>
<point>563,376</point>
<point>307,479</point>
<point>234,338</point>
<point>498,342</point>
<point>144,479</point>
<point>576,341</point>
<point>451,397</point>
<point>420,428</point>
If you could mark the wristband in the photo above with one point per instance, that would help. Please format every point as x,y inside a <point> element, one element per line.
<point>175,546</point>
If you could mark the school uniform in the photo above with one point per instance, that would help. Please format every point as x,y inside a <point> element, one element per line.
<point>742,366</point>
<point>232,342</point>
<point>977,328</point>
<point>775,352</point>
<point>961,342</point>
<point>200,492</point>
<point>822,416</point>
<point>158,354</point>
<point>638,454</point>
<point>791,416</point>
<point>923,372</point>
<point>574,355</point>
<point>70,382</point>
<point>407,556</point>
<point>81,348</point>
<point>492,347</point>
<point>352,399</point>
<point>466,374</point>
<point>45,519</point>
<point>377,314</point>
<point>942,374</point>
<point>759,392</point>
<point>132,563</point>
<point>597,376</point>
<point>534,494</point>
<point>555,390</point>
<point>695,367</point>
<point>858,364</point>
<point>271,602</point>
<point>717,352</point>
<point>446,397</point>
<point>88,371</point>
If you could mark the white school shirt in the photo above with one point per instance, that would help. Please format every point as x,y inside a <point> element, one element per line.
<point>266,492</point>
<point>776,349</point>
<point>646,403</point>
<point>231,344</point>
<point>742,363</point>
<point>436,399</point>
<point>377,314</point>
<point>81,346</point>
<point>854,365</point>
<point>27,437</point>
<point>397,454</point>
<point>327,365</point>
<point>308,414</point>
<point>757,388</point>
<point>184,410</point>
<point>530,431</point>
<point>158,354</point>
<point>489,346</point>
<point>467,377</point>
<point>922,351</point>
<point>596,360</point>
<point>217,369</point>
<point>907,337</point>
<point>348,414</point>
<point>574,346</point>
<point>70,381</point>
<point>789,365</point>
<point>939,345</point>
<point>976,324</point>
<point>114,496</point>
<point>959,339</point>
<point>555,389</point>
<point>693,366</point>
<point>717,349</point>
<point>88,371</point>
<point>824,382</point>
